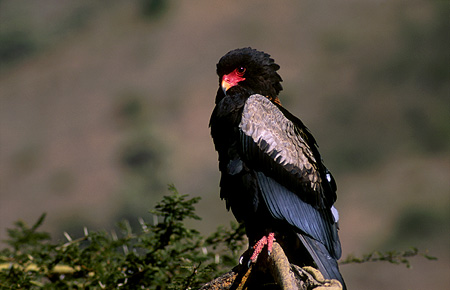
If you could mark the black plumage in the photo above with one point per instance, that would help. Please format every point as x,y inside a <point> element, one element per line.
<point>272,175</point>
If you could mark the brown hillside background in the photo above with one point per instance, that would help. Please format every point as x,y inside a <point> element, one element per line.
<point>104,103</point>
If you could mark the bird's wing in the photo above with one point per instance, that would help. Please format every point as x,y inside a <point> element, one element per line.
<point>287,170</point>
<point>284,150</point>
<point>283,204</point>
<point>327,265</point>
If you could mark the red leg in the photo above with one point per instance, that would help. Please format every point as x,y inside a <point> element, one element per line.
<point>270,239</point>
<point>265,240</point>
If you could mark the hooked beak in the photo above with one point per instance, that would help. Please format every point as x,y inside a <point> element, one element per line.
<point>230,80</point>
<point>225,85</point>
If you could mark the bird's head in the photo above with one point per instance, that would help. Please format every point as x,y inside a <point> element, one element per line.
<point>251,70</point>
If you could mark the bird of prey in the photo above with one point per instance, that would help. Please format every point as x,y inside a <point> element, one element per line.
<point>272,175</point>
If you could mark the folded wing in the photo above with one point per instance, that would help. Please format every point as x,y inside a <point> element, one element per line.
<point>294,183</point>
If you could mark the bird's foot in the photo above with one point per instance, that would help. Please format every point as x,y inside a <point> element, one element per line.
<point>257,248</point>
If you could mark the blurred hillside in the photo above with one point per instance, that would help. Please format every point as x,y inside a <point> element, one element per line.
<point>104,103</point>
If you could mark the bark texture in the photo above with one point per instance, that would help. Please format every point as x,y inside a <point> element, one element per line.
<point>272,272</point>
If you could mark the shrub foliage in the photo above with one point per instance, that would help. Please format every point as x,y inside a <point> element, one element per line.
<point>161,255</point>
<point>165,255</point>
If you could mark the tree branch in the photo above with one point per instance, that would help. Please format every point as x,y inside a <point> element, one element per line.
<point>272,272</point>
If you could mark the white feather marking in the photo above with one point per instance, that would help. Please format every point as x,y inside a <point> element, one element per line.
<point>335,213</point>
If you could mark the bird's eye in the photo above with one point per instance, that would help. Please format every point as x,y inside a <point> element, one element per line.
<point>240,71</point>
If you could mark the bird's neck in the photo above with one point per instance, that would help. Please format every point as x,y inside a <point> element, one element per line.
<point>275,100</point>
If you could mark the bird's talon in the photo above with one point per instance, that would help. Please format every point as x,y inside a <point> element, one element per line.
<point>265,240</point>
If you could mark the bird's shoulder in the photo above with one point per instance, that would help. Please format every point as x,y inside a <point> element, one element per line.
<point>277,133</point>
<point>277,143</point>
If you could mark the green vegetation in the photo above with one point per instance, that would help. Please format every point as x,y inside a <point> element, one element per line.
<point>163,255</point>
<point>393,257</point>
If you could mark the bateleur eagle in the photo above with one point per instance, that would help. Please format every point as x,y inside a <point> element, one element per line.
<point>272,175</point>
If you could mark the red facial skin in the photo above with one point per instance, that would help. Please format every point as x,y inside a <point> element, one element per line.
<point>233,78</point>
<point>236,76</point>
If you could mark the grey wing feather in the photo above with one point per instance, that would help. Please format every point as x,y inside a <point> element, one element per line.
<point>288,175</point>
<point>281,158</point>
<point>278,141</point>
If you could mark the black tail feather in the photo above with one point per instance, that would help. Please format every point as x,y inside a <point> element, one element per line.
<point>327,265</point>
